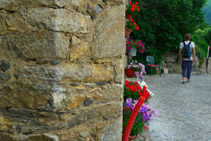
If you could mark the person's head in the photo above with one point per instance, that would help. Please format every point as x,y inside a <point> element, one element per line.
<point>187,37</point>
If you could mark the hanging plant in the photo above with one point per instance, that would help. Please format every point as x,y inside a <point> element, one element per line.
<point>132,25</point>
<point>132,8</point>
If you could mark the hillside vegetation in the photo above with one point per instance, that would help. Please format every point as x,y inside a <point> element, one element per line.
<point>207,10</point>
<point>163,25</point>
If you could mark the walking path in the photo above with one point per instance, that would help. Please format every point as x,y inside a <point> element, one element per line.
<point>184,109</point>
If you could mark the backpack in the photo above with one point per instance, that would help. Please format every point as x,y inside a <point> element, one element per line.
<point>186,52</point>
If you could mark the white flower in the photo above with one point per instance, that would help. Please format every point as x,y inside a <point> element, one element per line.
<point>142,84</point>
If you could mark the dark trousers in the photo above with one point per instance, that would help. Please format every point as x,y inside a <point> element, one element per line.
<point>186,68</point>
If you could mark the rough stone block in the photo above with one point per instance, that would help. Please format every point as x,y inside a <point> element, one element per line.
<point>22,95</point>
<point>4,66</point>
<point>80,4</point>
<point>93,9</point>
<point>4,77</point>
<point>2,24</point>
<point>59,20</point>
<point>119,78</point>
<point>54,97</point>
<point>112,132</point>
<point>109,38</point>
<point>73,72</point>
<point>42,137</point>
<point>42,44</point>
<point>78,49</point>
<point>10,4</point>
<point>34,124</point>
<point>114,2</point>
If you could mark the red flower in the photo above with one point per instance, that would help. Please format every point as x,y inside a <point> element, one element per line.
<point>137,28</point>
<point>130,3</point>
<point>126,82</point>
<point>145,127</point>
<point>133,88</point>
<point>135,24</point>
<point>133,6</point>
<point>136,3</point>
<point>138,87</point>
<point>144,93</point>
<point>132,20</point>
<point>138,9</point>
<point>132,9</point>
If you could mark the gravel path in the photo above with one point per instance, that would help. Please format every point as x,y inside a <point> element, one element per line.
<point>184,109</point>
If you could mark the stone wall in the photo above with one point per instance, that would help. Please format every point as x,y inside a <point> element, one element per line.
<point>171,63</point>
<point>61,69</point>
<point>203,69</point>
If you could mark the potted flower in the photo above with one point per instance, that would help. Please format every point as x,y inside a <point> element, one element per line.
<point>131,68</point>
<point>129,72</point>
<point>131,9</point>
<point>134,46</point>
<point>130,26</point>
<point>132,92</point>
<point>138,68</point>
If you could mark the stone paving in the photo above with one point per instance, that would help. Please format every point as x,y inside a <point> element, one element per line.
<point>184,109</point>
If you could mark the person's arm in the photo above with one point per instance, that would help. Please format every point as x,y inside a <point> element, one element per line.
<point>194,55</point>
<point>180,50</point>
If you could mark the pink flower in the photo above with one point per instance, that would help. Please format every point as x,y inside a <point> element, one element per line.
<point>137,74</point>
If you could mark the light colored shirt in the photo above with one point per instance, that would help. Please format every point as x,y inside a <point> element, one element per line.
<point>191,47</point>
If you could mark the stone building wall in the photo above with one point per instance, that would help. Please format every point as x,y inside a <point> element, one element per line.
<point>61,69</point>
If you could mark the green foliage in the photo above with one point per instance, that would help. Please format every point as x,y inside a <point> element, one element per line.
<point>201,61</point>
<point>163,24</point>
<point>130,94</point>
<point>130,25</point>
<point>202,38</point>
<point>138,123</point>
<point>207,36</point>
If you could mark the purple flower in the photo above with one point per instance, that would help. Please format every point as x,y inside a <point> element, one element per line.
<point>128,103</point>
<point>137,74</point>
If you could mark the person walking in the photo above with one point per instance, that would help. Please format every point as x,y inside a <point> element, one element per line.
<point>185,51</point>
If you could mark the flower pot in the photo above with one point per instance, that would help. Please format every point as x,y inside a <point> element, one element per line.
<point>132,51</point>
<point>129,73</point>
<point>131,138</point>
<point>128,16</point>
<point>127,31</point>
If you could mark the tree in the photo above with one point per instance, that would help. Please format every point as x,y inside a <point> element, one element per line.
<point>163,23</point>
